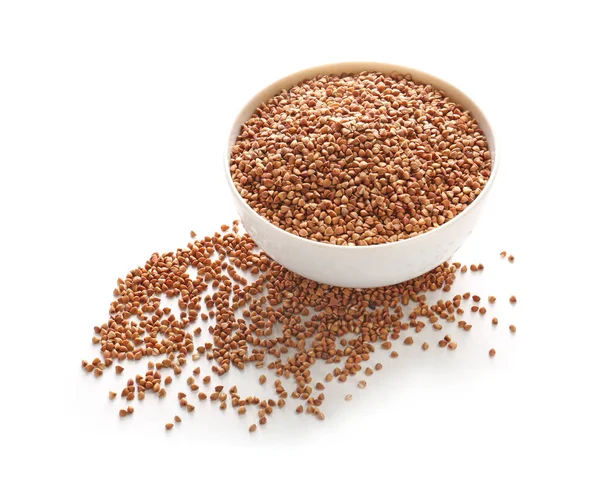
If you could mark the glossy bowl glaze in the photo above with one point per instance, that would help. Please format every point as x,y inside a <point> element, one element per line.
<point>361,266</point>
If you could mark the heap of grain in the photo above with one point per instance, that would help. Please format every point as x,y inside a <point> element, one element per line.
<point>360,159</point>
<point>315,323</point>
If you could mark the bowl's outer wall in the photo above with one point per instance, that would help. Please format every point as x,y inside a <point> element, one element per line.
<point>361,266</point>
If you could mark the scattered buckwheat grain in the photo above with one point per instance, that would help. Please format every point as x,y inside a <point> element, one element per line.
<point>261,315</point>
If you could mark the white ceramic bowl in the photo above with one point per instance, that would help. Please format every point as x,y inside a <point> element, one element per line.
<point>361,266</point>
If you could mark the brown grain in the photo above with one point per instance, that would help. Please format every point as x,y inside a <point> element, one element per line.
<point>275,319</point>
<point>360,159</point>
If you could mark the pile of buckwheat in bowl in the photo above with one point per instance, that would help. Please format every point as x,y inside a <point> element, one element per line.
<point>359,176</point>
<point>364,160</point>
<point>360,159</point>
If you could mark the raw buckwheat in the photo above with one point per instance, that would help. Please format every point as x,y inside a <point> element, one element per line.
<point>360,159</point>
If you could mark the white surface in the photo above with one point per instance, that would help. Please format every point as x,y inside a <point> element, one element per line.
<point>365,266</point>
<point>112,119</point>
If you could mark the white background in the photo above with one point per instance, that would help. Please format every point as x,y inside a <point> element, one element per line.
<point>113,119</point>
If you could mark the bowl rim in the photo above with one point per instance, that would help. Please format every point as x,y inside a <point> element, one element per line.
<point>357,67</point>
